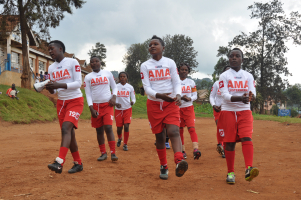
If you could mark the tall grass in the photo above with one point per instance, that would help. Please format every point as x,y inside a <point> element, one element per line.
<point>31,106</point>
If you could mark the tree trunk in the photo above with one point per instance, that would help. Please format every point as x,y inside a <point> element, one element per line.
<point>261,73</point>
<point>26,74</point>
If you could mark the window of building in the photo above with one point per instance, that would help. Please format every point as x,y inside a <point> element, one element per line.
<point>41,66</point>
<point>15,60</point>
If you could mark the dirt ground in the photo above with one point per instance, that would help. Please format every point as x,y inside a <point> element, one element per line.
<point>26,150</point>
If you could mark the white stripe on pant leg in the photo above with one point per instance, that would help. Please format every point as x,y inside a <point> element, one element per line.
<point>235,116</point>
<point>62,107</point>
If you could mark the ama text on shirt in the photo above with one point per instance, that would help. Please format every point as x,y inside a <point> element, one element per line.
<point>159,73</point>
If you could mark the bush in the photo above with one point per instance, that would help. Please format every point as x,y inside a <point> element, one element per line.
<point>203,108</point>
<point>294,112</point>
<point>274,110</point>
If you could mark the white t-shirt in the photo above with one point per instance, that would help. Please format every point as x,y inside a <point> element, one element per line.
<point>232,83</point>
<point>67,71</point>
<point>160,77</point>
<point>216,95</point>
<point>125,93</point>
<point>97,87</point>
<point>188,89</point>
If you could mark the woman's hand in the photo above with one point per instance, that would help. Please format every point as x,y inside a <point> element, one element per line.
<point>217,108</point>
<point>118,105</point>
<point>186,98</point>
<point>165,97</point>
<point>54,85</point>
<point>245,98</point>
<point>177,99</point>
<point>94,113</point>
<point>112,101</point>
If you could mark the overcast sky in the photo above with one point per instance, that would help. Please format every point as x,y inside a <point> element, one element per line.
<point>118,23</point>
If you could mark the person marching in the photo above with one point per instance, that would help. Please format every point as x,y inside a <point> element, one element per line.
<point>189,94</point>
<point>236,121</point>
<point>101,101</point>
<point>123,109</point>
<point>66,80</point>
<point>216,100</point>
<point>163,88</point>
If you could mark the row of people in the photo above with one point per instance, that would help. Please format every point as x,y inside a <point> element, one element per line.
<point>165,91</point>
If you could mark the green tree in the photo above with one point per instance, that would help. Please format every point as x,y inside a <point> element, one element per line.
<point>293,95</point>
<point>265,48</point>
<point>39,14</point>
<point>179,48</point>
<point>100,52</point>
<point>135,56</point>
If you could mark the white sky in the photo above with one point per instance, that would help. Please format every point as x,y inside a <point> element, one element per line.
<point>118,24</point>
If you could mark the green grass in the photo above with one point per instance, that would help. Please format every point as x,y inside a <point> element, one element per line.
<point>30,107</point>
<point>33,106</point>
<point>277,118</point>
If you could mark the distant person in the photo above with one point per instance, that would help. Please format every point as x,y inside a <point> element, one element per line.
<point>37,78</point>
<point>123,109</point>
<point>216,100</point>
<point>41,76</point>
<point>189,95</point>
<point>66,78</point>
<point>162,85</point>
<point>46,76</point>
<point>12,92</point>
<point>100,99</point>
<point>236,121</point>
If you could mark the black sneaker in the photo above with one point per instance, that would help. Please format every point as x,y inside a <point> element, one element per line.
<point>76,168</point>
<point>181,168</point>
<point>56,167</point>
<point>114,157</point>
<point>125,147</point>
<point>102,157</point>
<point>163,172</point>
<point>119,142</point>
<point>251,173</point>
<point>196,154</point>
<point>184,154</point>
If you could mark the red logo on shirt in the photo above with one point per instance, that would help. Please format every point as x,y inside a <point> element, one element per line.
<point>77,68</point>
<point>123,93</point>
<point>221,84</point>
<point>84,84</point>
<point>211,88</point>
<point>141,74</point>
<point>159,74</point>
<point>60,75</point>
<point>99,81</point>
<point>254,83</point>
<point>186,89</point>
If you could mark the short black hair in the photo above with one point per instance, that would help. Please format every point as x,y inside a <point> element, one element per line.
<point>160,40</point>
<point>59,43</point>
<point>226,68</point>
<point>184,64</point>
<point>95,57</point>
<point>237,49</point>
<point>127,75</point>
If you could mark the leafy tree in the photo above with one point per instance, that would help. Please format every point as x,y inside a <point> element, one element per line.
<point>39,14</point>
<point>100,52</point>
<point>265,48</point>
<point>180,49</point>
<point>135,56</point>
<point>293,95</point>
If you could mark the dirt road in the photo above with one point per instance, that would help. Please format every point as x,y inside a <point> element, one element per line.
<point>26,150</point>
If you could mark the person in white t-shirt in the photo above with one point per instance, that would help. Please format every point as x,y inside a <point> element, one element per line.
<point>123,109</point>
<point>216,100</point>
<point>101,100</point>
<point>237,87</point>
<point>65,76</point>
<point>162,85</point>
<point>189,95</point>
